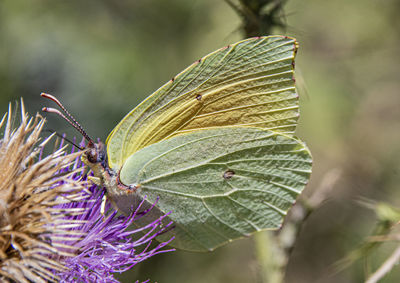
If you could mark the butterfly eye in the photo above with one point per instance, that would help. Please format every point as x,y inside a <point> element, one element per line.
<point>92,155</point>
<point>198,97</point>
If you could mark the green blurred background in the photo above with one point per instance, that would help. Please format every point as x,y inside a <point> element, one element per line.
<point>101,58</point>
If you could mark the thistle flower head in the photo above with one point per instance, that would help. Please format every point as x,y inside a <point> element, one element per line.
<point>51,228</point>
<point>29,189</point>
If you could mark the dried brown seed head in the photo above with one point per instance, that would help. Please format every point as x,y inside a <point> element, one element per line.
<point>30,190</point>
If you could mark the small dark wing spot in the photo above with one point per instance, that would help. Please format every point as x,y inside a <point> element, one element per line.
<point>228,174</point>
<point>172,80</point>
<point>198,97</point>
<point>198,61</point>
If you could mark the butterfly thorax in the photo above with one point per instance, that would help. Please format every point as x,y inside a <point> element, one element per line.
<point>95,157</point>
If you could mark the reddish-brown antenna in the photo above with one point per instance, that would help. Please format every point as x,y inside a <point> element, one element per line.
<point>73,123</point>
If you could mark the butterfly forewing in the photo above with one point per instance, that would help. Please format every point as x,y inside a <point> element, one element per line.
<point>247,84</point>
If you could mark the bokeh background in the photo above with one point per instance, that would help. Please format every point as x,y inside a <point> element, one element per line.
<point>101,58</point>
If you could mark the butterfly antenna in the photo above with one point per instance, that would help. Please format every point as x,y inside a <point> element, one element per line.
<point>64,138</point>
<point>73,123</point>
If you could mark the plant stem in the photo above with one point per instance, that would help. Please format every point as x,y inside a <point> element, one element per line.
<point>386,267</point>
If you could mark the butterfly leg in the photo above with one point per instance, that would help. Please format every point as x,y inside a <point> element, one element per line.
<point>95,180</point>
<point>103,205</point>
<point>85,172</point>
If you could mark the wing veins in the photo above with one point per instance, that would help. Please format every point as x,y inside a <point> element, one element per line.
<point>277,91</point>
<point>271,159</point>
<point>242,205</point>
<point>259,66</point>
<point>253,50</point>
<point>220,220</point>
<point>224,195</point>
<point>174,84</point>
<point>176,147</point>
<point>247,106</point>
<point>204,81</point>
<point>295,170</point>
<point>265,174</point>
<point>221,89</point>
<point>234,77</point>
<point>186,93</point>
<point>209,161</point>
<point>277,209</point>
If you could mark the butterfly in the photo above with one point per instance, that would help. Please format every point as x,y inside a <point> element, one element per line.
<point>215,144</point>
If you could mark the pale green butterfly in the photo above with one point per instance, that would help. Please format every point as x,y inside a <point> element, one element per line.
<point>215,144</point>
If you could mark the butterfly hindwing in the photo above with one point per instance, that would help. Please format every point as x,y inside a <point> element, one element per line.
<point>220,184</point>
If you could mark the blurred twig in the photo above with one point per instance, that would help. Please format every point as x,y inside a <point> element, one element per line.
<point>306,205</point>
<point>273,249</point>
<point>259,17</point>
<point>386,267</point>
<point>270,266</point>
<point>387,220</point>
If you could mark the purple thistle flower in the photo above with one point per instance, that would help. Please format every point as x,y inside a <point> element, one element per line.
<point>103,243</point>
<point>51,228</point>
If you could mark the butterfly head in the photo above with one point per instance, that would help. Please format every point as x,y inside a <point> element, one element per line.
<point>95,153</point>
